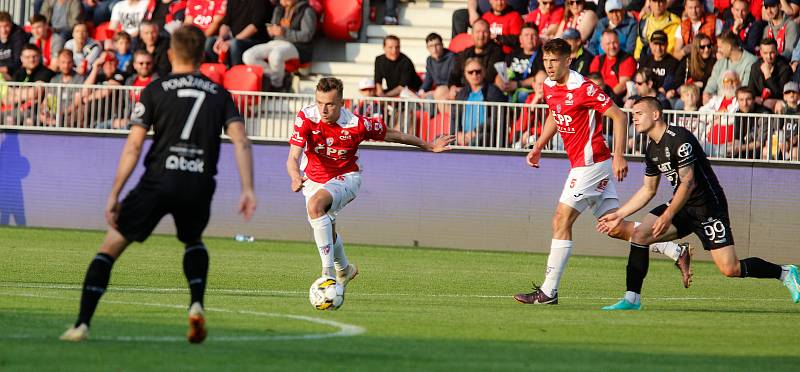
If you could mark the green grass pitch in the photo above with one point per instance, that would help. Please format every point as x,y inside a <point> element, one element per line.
<point>419,309</point>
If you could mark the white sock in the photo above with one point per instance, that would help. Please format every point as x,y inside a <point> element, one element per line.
<point>784,272</point>
<point>556,263</point>
<point>339,258</point>
<point>323,236</point>
<point>632,297</point>
<point>669,249</point>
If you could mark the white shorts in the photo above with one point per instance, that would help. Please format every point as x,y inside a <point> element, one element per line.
<point>342,188</point>
<point>591,186</point>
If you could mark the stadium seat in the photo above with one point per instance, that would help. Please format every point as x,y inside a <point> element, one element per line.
<point>341,19</point>
<point>429,128</point>
<point>460,42</point>
<point>244,78</point>
<point>214,71</point>
<point>295,66</point>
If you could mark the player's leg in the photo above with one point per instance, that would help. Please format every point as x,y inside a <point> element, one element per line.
<point>317,208</point>
<point>345,271</point>
<point>754,267</point>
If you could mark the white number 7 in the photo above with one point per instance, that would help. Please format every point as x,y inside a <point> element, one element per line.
<point>199,96</point>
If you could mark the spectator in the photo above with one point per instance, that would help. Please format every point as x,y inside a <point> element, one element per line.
<point>63,15</point>
<point>696,67</point>
<point>366,106</point>
<point>293,25</point>
<point>84,50</point>
<point>463,19</point>
<point>731,57</point>
<point>394,70</point>
<point>168,15</point>
<point>645,81</point>
<point>581,58</point>
<point>547,17</point>
<point>785,140</point>
<point>243,26</point>
<point>128,14</point>
<point>578,17</point>
<point>624,25</point>
<point>791,95</point>
<point>48,42</point>
<point>725,99</point>
<point>658,19</point>
<point>616,67</point>
<point>206,15</point>
<point>749,134</point>
<point>485,49</point>
<point>143,70</point>
<point>768,76</point>
<point>65,70</point>
<point>12,39</point>
<point>22,99</point>
<point>390,16</point>
<point>157,44</point>
<point>689,98</point>
<point>477,125</point>
<point>31,68</point>
<point>528,124</point>
<point>105,72</point>
<point>779,27</point>
<point>596,78</point>
<point>104,105</point>
<point>743,25</point>
<point>522,65</point>
<point>122,50</point>
<point>437,68</point>
<point>98,11</point>
<point>696,22</point>
<point>719,127</point>
<point>662,65</point>
<point>505,25</point>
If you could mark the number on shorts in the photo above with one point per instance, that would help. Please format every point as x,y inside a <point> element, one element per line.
<point>715,230</point>
<point>199,97</point>
<point>572,183</point>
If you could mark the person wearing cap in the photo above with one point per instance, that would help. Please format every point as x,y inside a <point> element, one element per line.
<point>616,66</point>
<point>581,57</point>
<point>743,24</point>
<point>662,65</point>
<point>768,76</point>
<point>780,27</point>
<point>618,20</point>
<point>505,24</point>
<point>437,68</point>
<point>731,57</point>
<point>658,19</point>
<point>786,138</point>
<point>522,65</point>
<point>547,17</point>
<point>366,106</point>
<point>696,22</point>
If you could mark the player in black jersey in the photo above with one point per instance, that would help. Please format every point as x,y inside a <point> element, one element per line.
<point>187,113</point>
<point>698,206</point>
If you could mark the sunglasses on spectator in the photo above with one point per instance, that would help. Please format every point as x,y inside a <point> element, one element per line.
<point>707,46</point>
<point>659,1</point>
<point>545,3</point>
<point>474,72</point>
<point>574,2</point>
<point>640,82</point>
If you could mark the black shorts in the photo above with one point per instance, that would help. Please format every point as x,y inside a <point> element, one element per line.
<point>710,223</point>
<point>189,203</point>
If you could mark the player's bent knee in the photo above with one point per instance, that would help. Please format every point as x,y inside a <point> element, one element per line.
<point>731,271</point>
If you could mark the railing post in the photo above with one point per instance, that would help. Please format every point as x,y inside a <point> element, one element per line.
<point>362,35</point>
<point>59,99</point>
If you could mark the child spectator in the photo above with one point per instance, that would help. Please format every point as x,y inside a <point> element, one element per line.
<point>122,50</point>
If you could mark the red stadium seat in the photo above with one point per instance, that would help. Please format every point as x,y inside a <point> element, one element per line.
<point>214,71</point>
<point>432,128</point>
<point>243,78</point>
<point>102,32</point>
<point>342,19</point>
<point>460,42</point>
<point>294,66</point>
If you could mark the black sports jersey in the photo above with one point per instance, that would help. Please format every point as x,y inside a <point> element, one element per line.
<point>679,148</point>
<point>187,113</point>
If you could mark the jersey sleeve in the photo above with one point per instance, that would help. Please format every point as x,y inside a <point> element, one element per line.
<point>593,98</point>
<point>685,150</point>
<point>142,113</point>
<point>375,129</point>
<point>299,132</point>
<point>650,167</point>
<point>221,7</point>
<point>231,112</point>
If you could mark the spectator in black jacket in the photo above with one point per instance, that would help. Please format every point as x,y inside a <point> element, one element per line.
<point>395,70</point>
<point>743,25</point>
<point>243,27</point>
<point>476,124</point>
<point>155,43</point>
<point>12,38</point>
<point>768,76</point>
<point>485,49</point>
<point>581,57</point>
<point>522,65</point>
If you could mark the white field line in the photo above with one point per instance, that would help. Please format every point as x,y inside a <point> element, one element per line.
<point>344,329</point>
<point>279,292</point>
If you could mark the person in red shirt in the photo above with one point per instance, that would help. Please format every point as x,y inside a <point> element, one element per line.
<point>616,67</point>
<point>143,66</point>
<point>547,17</point>
<point>577,106</point>
<point>205,14</point>
<point>505,24</point>
<point>326,136</point>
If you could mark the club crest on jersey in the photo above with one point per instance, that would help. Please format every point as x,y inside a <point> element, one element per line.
<point>298,121</point>
<point>590,90</point>
<point>368,125</point>
<point>685,150</point>
<point>329,141</point>
<point>345,136</point>
<point>568,101</point>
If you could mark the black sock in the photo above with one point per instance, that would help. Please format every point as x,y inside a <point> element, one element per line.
<point>755,267</point>
<point>638,264</point>
<point>195,267</point>
<point>94,285</point>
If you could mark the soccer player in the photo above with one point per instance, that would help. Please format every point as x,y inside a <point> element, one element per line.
<point>187,113</point>
<point>327,136</point>
<point>576,105</point>
<point>698,206</point>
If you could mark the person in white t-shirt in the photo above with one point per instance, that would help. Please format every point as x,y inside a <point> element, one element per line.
<point>128,14</point>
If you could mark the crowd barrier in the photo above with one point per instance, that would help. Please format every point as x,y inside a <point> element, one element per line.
<point>477,125</point>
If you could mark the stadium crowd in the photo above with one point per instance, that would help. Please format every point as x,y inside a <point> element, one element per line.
<point>709,56</point>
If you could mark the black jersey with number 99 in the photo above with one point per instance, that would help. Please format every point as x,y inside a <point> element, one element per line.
<point>187,113</point>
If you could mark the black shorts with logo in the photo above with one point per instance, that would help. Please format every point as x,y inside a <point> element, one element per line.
<point>189,203</point>
<point>709,222</point>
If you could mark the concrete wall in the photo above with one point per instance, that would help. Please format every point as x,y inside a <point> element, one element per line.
<point>456,200</point>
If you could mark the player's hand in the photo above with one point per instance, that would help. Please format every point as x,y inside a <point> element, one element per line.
<point>443,143</point>
<point>620,166</point>
<point>247,204</point>
<point>662,223</point>
<point>112,211</point>
<point>533,157</point>
<point>608,222</point>
<point>297,184</point>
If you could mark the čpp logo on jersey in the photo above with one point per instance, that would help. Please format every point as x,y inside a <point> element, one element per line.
<point>175,162</point>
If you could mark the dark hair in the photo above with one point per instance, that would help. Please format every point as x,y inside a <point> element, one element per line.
<point>729,37</point>
<point>609,31</point>
<point>121,35</point>
<point>149,23</point>
<point>188,44</point>
<point>747,90</point>
<point>769,41</point>
<point>328,84</point>
<point>647,73</point>
<point>36,18</point>
<point>31,47</point>
<point>558,47</point>
<point>6,17</point>
<point>433,36</point>
<point>651,102</point>
<point>66,52</point>
<point>140,52</point>
<point>390,37</point>
<point>530,25</point>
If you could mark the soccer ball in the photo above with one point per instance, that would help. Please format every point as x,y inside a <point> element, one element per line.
<point>326,294</point>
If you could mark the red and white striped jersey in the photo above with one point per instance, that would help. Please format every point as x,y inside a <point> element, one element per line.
<point>578,108</point>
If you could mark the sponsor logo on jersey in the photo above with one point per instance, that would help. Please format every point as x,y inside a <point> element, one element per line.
<point>345,136</point>
<point>368,125</point>
<point>685,150</point>
<point>666,152</point>
<point>315,132</point>
<point>329,141</point>
<point>378,126</point>
<point>568,101</point>
<point>175,162</point>
<point>590,90</point>
<point>548,97</point>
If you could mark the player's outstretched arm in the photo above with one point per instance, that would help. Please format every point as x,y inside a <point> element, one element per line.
<point>293,167</point>
<point>548,131</point>
<point>440,144</point>
<point>646,193</point>
<point>127,162</point>
<point>620,120</point>
<point>682,193</point>
<point>244,161</point>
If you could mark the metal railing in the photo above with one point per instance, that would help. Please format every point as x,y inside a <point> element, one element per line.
<point>20,10</point>
<point>478,125</point>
